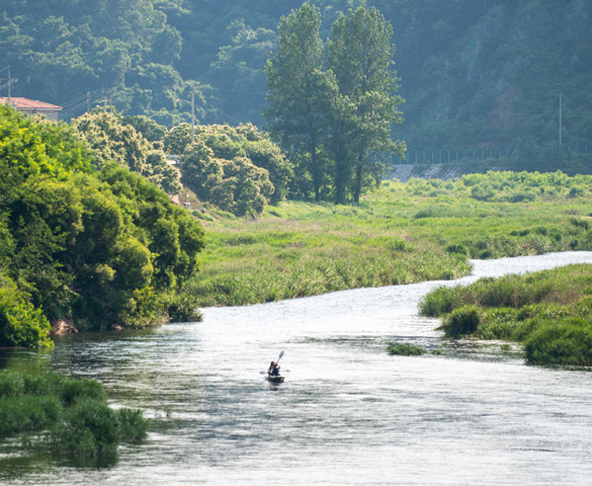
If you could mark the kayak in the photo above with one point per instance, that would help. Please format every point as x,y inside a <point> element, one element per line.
<point>275,379</point>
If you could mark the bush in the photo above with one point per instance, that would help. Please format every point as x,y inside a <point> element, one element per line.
<point>76,390</point>
<point>183,307</point>
<point>405,349</point>
<point>237,169</point>
<point>502,323</point>
<point>28,413</point>
<point>482,192</point>
<point>461,322</point>
<point>438,302</point>
<point>567,342</point>
<point>21,325</point>
<point>74,412</point>
<point>89,429</point>
<point>460,249</point>
<point>132,425</point>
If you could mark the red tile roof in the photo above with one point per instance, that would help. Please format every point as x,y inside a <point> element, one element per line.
<point>27,104</point>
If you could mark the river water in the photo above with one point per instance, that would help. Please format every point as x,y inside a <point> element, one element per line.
<point>347,413</point>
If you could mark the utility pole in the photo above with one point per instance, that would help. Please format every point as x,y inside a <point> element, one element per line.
<point>10,82</point>
<point>88,101</point>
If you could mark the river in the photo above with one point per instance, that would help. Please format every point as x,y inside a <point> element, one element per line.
<point>347,413</point>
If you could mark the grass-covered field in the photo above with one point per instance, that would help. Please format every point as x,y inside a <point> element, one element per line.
<point>399,233</point>
<point>549,311</point>
<point>66,417</point>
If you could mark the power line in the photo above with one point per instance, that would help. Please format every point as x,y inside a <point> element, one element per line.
<point>79,108</point>
<point>77,105</point>
<point>75,101</point>
<point>221,112</point>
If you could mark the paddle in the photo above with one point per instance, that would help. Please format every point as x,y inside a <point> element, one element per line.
<point>278,360</point>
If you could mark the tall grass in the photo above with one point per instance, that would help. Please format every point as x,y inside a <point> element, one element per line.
<point>563,285</point>
<point>405,349</point>
<point>28,413</point>
<point>70,417</point>
<point>566,342</point>
<point>399,233</point>
<point>550,311</point>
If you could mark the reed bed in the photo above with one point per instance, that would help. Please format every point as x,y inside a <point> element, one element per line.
<point>549,311</point>
<point>398,234</point>
<point>65,417</point>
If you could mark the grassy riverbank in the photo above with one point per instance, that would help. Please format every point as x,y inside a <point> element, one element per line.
<point>67,417</point>
<point>398,234</point>
<point>549,311</point>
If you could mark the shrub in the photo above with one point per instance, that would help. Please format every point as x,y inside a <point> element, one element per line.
<point>74,412</point>
<point>183,307</point>
<point>461,322</point>
<point>499,323</point>
<point>21,325</point>
<point>521,197</point>
<point>132,425</point>
<point>405,349</point>
<point>567,342</point>
<point>89,429</point>
<point>27,413</point>
<point>76,390</point>
<point>482,192</point>
<point>438,302</point>
<point>460,249</point>
<point>576,192</point>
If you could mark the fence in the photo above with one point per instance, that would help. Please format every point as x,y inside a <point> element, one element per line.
<point>452,156</point>
<point>455,156</point>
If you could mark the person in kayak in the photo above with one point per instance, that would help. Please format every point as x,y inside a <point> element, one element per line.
<point>274,369</point>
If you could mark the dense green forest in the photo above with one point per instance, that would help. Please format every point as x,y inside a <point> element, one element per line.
<point>473,74</point>
<point>83,239</point>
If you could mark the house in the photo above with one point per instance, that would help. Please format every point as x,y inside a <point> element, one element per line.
<point>32,107</point>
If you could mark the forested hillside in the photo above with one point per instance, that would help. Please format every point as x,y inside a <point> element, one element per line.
<point>473,73</point>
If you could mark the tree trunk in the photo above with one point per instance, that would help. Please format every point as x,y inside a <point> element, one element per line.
<point>341,178</point>
<point>358,182</point>
<point>316,171</point>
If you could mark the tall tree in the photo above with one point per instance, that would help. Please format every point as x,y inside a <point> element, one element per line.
<point>297,90</point>
<point>360,54</point>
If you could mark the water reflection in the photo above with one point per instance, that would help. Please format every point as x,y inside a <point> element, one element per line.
<point>347,414</point>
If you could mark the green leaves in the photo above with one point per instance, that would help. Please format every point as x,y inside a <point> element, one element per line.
<point>100,248</point>
<point>360,54</point>
<point>297,91</point>
<point>65,416</point>
<point>21,325</point>
<point>111,139</point>
<point>332,107</point>
<point>238,169</point>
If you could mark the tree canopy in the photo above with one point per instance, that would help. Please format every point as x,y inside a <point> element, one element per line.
<point>110,138</point>
<point>474,74</point>
<point>333,107</point>
<point>298,92</point>
<point>102,248</point>
<point>238,169</point>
